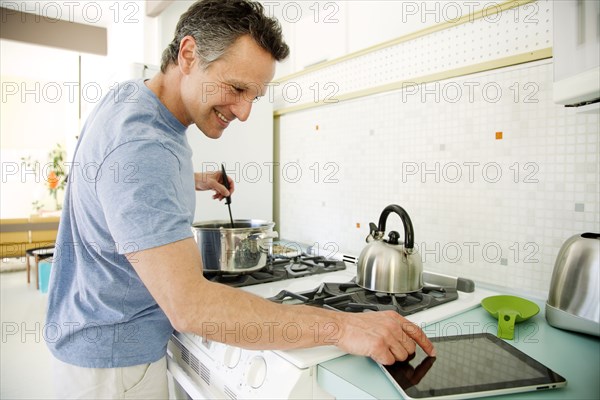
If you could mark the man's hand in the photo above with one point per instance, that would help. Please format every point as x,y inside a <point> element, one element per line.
<point>213,181</point>
<point>384,336</point>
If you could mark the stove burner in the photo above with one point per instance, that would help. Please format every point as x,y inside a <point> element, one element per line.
<point>298,268</point>
<point>240,280</point>
<point>277,269</point>
<point>353,298</point>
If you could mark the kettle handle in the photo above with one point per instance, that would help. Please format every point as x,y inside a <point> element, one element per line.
<point>409,234</point>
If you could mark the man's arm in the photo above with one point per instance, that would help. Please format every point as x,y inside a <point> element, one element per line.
<point>173,275</point>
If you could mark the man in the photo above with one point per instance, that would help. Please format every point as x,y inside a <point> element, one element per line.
<point>127,270</point>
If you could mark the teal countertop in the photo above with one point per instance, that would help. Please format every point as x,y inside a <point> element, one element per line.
<point>574,356</point>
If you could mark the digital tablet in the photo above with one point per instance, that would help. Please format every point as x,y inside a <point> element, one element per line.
<point>469,366</point>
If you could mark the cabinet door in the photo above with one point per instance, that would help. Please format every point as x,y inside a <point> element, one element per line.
<point>576,50</point>
<point>320,33</point>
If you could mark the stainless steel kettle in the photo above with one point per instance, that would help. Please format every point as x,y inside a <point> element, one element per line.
<point>389,265</point>
<point>573,299</point>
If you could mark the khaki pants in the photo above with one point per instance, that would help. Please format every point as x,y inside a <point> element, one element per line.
<point>145,381</point>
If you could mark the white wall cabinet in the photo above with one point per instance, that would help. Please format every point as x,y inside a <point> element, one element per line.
<point>576,51</point>
<point>324,30</point>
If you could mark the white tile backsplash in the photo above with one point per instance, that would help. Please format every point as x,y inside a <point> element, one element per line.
<point>493,210</point>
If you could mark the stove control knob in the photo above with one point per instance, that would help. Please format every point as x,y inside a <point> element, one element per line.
<point>256,372</point>
<point>232,356</point>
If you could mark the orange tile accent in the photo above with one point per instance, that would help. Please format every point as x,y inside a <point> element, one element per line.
<point>358,225</point>
<point>498,135</point>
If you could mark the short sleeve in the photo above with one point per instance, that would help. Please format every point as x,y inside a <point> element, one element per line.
<point>141,192</point>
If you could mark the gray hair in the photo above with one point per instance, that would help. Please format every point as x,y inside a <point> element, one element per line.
<point>216,24</point>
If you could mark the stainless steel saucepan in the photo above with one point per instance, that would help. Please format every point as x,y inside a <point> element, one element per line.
<point>243,248</point>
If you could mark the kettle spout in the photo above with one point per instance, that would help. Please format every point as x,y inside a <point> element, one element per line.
<point>374,233</point>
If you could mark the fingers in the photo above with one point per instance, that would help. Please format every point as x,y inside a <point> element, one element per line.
<point>384,336</point>
<point>385,357</point>
<point>214,181</point>
<point>389,353</point>
<point>394,343</point>
<point>400,351</point>
<point>220,188</point>
<point>405,337</point>
<point>221,191</point>
<point>419,337</point>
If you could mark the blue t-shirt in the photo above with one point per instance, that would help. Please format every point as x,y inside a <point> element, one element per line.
<point>131,188</point>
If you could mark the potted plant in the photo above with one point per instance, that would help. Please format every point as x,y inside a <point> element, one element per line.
<point>56,178</point>
<point>52,175</point>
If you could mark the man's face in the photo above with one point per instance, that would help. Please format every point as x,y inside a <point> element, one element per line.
<point>212,97</point>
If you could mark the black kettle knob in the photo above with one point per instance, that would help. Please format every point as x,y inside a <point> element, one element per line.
<point>393,237</point>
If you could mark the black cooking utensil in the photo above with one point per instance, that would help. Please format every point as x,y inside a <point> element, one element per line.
<point>228,198</point>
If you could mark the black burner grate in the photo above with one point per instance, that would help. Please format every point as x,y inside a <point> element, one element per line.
<point>353,298</point>
<point>278,269</point>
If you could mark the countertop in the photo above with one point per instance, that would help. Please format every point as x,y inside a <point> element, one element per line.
<point>574,356</point>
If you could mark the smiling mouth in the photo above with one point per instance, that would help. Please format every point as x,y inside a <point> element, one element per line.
<point>222,117</point>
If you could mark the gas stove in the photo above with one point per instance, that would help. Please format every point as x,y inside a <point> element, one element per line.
<point>278,268</point>
<point>203,369</point>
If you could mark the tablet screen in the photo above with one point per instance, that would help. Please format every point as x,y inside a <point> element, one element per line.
<point>471,364</point>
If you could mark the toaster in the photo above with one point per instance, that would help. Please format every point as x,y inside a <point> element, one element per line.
<point>573,298</point>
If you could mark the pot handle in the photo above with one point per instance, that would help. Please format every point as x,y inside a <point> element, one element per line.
<point>261,237</point>
<point>409,234</point>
